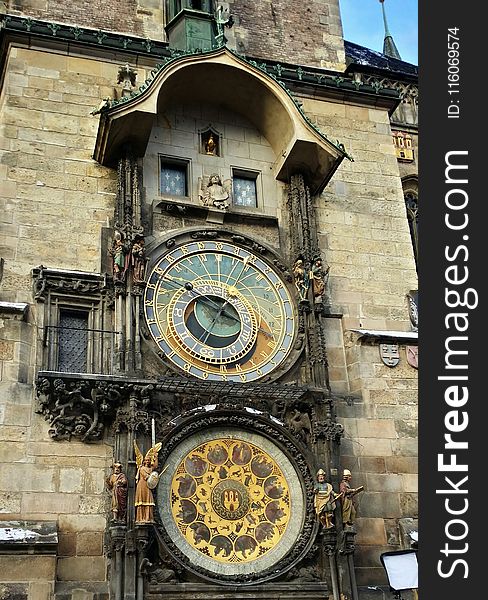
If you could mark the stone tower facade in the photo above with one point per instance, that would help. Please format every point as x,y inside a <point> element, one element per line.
<point>207,296</point>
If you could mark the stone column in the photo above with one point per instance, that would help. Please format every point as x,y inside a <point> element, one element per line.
<point>117,538</point>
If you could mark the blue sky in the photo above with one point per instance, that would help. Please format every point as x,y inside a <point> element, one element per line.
<point>362,22</point>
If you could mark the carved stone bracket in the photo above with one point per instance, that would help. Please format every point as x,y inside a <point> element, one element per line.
<point>83,406</point>
<point>117,537</point>
<point>329,542</point>
<point>346,542</point>
<point>328,430</point>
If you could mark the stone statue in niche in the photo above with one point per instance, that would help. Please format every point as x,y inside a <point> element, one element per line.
<point>214,192</point>
<point>319,276</point>
<point>324,500</point>
<point>117,484</point>
<point>139,260</point>
<point>211,146</point>
<point>119,257</point>
<point>348,498</point>
<point>210,142</point>
<point>127,77</point>
<point>301,278</point>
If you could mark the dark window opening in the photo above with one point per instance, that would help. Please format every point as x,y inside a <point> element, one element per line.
<point>72,341</point>
<point>412,206</point>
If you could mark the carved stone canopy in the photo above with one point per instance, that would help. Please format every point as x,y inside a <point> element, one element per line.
<point>222,78</point>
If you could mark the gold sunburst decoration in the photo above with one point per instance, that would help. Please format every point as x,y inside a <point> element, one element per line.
<point>230,500</point>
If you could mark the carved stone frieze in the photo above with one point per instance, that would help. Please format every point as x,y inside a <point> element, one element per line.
<point>67,282</point>
<point>83,406</point>
<point>205,235</point>
<point>76,408</point>
<point>328,430</point>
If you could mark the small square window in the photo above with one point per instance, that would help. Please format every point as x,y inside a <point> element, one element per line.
<point>174,177</point>
<point>245,189</point>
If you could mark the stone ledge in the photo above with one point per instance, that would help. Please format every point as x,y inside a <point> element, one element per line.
<point>269,591</point>
<point>28,537</point>
<point>14,310</point>
<point>392,337</point>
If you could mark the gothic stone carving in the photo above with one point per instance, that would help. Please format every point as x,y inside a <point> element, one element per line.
<point>64,282</point>
<point>215,192</point>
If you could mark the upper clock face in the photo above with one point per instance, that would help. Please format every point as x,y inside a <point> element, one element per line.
<point>219,312</point>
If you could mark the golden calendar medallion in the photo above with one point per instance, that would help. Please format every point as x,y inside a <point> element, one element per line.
<point>230,500</point>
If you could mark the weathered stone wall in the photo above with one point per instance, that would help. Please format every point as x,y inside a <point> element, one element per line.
<point>55,201</point>
<point>307,33</point>
<point>143,18</point>
<point>56,198</point>
<point>365,239</point>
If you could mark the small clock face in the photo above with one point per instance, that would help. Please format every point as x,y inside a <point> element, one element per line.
<point>219,312</point>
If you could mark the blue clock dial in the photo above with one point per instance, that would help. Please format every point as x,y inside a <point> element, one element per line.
<point>219,312</point>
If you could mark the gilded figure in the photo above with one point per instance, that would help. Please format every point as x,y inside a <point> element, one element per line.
<point>324,501</point>
<point>318,278</point>
<point>211,146</point>
<point>348,498</point>
<point>147,479</point>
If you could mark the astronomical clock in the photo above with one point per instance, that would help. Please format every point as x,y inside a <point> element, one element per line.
<point>231,503</point>
<point>220,312</point>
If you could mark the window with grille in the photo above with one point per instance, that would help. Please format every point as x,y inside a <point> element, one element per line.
<point>72,341</point>
<point>245,189</point>
<point>174,177</point>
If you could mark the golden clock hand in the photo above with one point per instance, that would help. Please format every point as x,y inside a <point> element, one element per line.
<point>208,301</point>
<point>189,287</point>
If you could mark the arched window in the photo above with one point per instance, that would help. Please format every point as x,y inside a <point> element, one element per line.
<point>412,206</point>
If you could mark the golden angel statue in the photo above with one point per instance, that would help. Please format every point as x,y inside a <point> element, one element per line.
<point>147,479</point>
<point>214,192</point>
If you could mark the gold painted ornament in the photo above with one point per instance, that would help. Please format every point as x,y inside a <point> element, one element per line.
<point>230,500</point>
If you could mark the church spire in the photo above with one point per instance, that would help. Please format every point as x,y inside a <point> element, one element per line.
<point>389,46</point>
